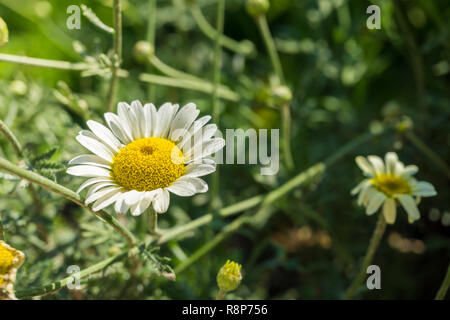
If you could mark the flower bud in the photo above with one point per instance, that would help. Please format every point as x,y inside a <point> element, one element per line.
<point>256,8</point>
<point>143,50</point>
<point>229,276</point>
<point>281,94</point>
<point>18,87</point>
<point>3,32</point>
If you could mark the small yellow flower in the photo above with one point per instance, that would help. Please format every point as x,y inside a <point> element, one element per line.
<point>10,260</point>
<point>229,276</point>
<point>388,183</point>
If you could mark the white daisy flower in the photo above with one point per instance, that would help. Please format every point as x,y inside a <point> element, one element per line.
<point>144,155</point>
<point>388,183</point>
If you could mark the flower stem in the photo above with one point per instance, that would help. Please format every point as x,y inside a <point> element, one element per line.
<point>44,63</point>
<point>57,285</point>
<point>427,151</point>
<point>270,46</point>
<point>151,38</point>
<point>440,295</point>
<point>202,86</point>
<point>220,295</point>
<point>153,223</point>
<point>284,109</point>
<point>244,47</point>
<point>67,193</point>
<point>374,242</point>
<point>117,54</point>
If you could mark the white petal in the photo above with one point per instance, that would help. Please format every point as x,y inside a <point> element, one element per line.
<point>106,200</point>
<point>375,201</point>
<point>132,197</point>
<point>92,181</point>
<point>90,159</point>
<point>410,206</point>
<point>199,170</point>
<point>99,194</point>
<point>424,189</point>
<point>182,189</point>
<point>140,124</point>
<point>141,205</point>
<point>205,149</point>
<point>389,210</point>
<point>114,123</point>
<point>390,159</point>
<point>199,185</point>
<point>188,141</point>
<point>409,171</point>
<point>362,185</point>
<point>165,115</point>
<point>120,206</point>
<point>105,135</point>
<point>151,118</point>
<point>183,120</point>
<point>88,140</point>
<point>128,119</point>
<point>99,185</point>
<point>377,164</point>
<point>88,171</point>
<point>365,166</point>
<point>161,201</point>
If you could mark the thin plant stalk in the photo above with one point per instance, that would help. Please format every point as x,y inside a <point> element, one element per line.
<point>66,193</point>
<point>411,136</point>
<point>153,222</point>
<point>284,109</point>
<point>440,295</point>
<point>44,63</point>
<point>220,295</point>
<point>373,245</point>
<point>244,47</point>
<point>215,93</point>
<point>151,38</point>
<point>117,54</point>
<point>9,135</point>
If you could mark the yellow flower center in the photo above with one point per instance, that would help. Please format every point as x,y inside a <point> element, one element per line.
<point>147,164</point>
<point>391,185</point>
<point>6,262</point>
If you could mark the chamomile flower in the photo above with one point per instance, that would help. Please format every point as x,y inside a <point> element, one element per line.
<point>145,155</point>
<point>390,183</point>
<point>10,260</point>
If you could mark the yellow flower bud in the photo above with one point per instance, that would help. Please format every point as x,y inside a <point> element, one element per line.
<point>143,50</point>
<point>10,260</point>
<point>229,276</point>
<point>257,7</point>
<point>3,32</point>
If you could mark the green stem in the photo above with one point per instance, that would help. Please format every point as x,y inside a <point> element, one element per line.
<point>66,193</point>
<point>190,84</point>
<point>44,63</point>
<point>151,38</point>
<point>9,135</point>
<point>2,236</point>
<point>117,54</point>
<point>284,109</point>
<point>270,46</point>
<point>169,71</point>
<point>427,151</point>
<point>220,295</point>
<point>57,285</point>
<point>153,223</point>
<point>374,242</point>
<point>440,295</point>
<point>244,47</point>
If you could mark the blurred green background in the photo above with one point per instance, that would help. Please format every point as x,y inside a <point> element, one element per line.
<point>346,80</point>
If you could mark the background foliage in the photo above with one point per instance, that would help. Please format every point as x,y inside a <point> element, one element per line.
<point>346,80</point>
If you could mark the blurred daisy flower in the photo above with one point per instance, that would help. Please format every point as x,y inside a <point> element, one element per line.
<point>388,183</point>
<point>10,260</point>
<point>144,155</point>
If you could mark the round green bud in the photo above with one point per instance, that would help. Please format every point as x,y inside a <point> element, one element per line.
<point>143,50</point>
<point>229,276</point>
<point>281,94</point>
<point>3,32</point>
<point>256,8</point>
<point>18,87</point>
